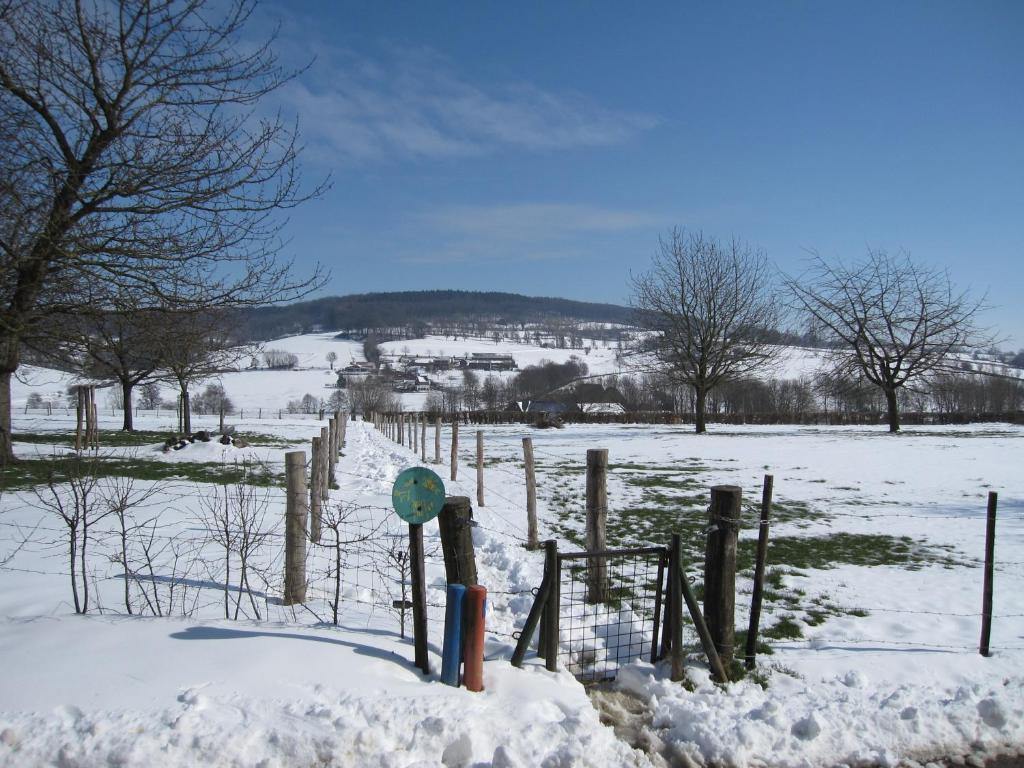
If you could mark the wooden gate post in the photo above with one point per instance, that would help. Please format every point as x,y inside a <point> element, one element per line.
<point>456,524</point>
<point>720,569</point>
<point>552,629</point>
<point>762,556</point>
<point>296,511</point>
<point>990,553</point>
<point>597,518</point>
<point>675,605</point>
<point>550,558</point>
<point>480,468</point>
<point>531,495</point>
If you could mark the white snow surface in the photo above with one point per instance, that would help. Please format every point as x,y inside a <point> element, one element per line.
<point>903,684</point>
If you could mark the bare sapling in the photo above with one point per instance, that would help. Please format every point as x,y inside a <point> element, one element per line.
<point>395,570</point>
<point>73,497</point>
<point>236,520</point>
<point>122,497</point>
<point>348,529</point>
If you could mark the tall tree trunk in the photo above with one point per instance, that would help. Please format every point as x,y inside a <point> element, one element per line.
<point>6,445</point>
<point>894,410</point>
<point>126,399</point>
<point>700,403</point>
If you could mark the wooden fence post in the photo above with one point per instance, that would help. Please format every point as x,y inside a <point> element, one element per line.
<point>401,429</point>
<point>762,556</point>
<point>79,418</point>
<point>95,420</point>
<point>990,555</point>
<point>597,518</point>
<point>437,440</point>
<point>423,438</point>
<point>480,468</point>
<point>414,432</point>
<point>531,494</point>
<point>315,498</point>
<point>720,569</point>
<point>456,524</point>
<point>297,508</point>
<point>342,429</point>
<point>332,450</point>
<point>325,464</point>
<point>455,449</point>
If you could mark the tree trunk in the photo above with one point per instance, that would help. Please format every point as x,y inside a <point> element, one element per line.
<point>6,446</point>
<point>700,403</point>
<point>186,412</point>
<point>894,410</point>
<point>126,401</point>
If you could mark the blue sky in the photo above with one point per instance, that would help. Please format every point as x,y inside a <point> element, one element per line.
<point>542,148</point>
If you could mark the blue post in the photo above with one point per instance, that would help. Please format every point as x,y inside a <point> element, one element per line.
<point>451,653</point>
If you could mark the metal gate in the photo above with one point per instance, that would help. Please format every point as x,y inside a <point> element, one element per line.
<point>598,611</point>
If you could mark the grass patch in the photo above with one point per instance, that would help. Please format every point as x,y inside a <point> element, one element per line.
<point>784,629</point>
<point>108,438</point>
<point>28,473</point>
<point>823,552</point>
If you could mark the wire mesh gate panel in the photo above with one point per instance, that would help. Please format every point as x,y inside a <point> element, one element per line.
<point>610,609</point>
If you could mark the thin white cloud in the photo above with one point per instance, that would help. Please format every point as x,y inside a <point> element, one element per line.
<point>519,232</point>
<point>414,103</point>
<point>535,220</point>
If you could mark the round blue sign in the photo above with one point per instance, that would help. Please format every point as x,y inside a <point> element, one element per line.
<point>418,495</point>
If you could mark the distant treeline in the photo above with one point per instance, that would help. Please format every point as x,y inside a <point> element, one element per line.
<point>417,311</point>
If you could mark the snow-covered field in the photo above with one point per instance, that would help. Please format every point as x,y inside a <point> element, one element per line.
<point>872,615</point>
<point>903,682</point>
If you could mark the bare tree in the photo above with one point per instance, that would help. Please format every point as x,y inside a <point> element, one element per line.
<point>372,394</point>
<point>707,306</point>
<point>132,158</point>
<point>888,318</point>
<point>332,358</point>
<point>123,343</point>
<point>204,345</point>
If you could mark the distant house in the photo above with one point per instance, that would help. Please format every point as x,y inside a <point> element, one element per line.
<point>354,371</point>
<point>490,361</point>
<point>541,407</point>
<point>602,408</point>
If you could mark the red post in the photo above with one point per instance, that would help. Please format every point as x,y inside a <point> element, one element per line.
<point>473,650</point>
